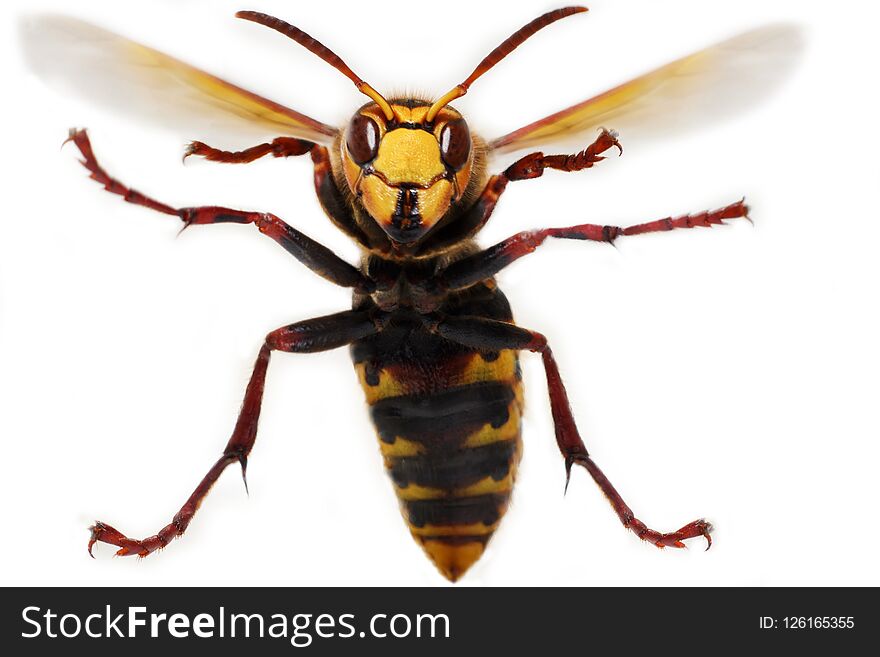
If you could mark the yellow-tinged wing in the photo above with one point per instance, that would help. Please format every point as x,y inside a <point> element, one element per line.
<point>102,66</point>
<point>719,81</point>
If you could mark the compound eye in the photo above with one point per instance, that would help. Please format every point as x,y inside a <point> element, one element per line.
<point>362,139</point>
<point>455,143</point>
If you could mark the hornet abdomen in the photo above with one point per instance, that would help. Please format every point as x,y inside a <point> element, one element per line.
<point>448,422</point>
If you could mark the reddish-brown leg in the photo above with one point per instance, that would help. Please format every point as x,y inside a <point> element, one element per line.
<point>312,254</point>
<point>237,450</point>
<point>534,164</point>
<point>491,335</point>
<point>530,166</point>
<point>489,262</point>
<point>278,147</point>
<point>575,452</point>
<point>319,334</point>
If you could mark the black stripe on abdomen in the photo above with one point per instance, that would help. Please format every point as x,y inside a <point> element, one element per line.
<point>456,511</point>
<point>455,469</point>
<point>446,417</point>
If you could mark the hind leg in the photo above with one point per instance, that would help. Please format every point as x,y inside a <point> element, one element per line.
<point>319,334</point>
<point>491,335</point>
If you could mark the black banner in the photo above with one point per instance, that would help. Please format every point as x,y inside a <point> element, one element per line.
<point>339,621</point>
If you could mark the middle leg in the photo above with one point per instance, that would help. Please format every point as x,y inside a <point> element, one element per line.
<point>487,263</point>
<point>312,254</point>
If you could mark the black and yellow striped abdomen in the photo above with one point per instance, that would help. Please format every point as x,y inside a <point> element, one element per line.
<point>448,421</point>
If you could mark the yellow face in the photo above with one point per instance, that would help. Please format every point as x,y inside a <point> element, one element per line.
<point>407,172</point>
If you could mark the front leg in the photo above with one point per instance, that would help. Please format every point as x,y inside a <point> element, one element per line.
<point>489,335</point>
<point>319,334</point>
<point>332,200</point>
<point>487,263</point>
<point>530,166</point>
<point>278,147</point>
<point>312,254</point>
<point>534,164</point>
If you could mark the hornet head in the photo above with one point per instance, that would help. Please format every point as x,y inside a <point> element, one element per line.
<point>408,161</point>
<point>407,170</point>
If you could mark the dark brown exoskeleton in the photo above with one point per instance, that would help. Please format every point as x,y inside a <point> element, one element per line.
<point>431,335</point>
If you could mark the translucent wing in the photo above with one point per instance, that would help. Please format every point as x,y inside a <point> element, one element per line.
<point>719,81</point>
<point>101,66</point>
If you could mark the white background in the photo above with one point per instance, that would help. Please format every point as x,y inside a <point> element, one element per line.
<point>731,373</point>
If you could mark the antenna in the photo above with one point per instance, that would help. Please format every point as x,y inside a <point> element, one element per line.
<point>321,51</point>
<point>508,46</point>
